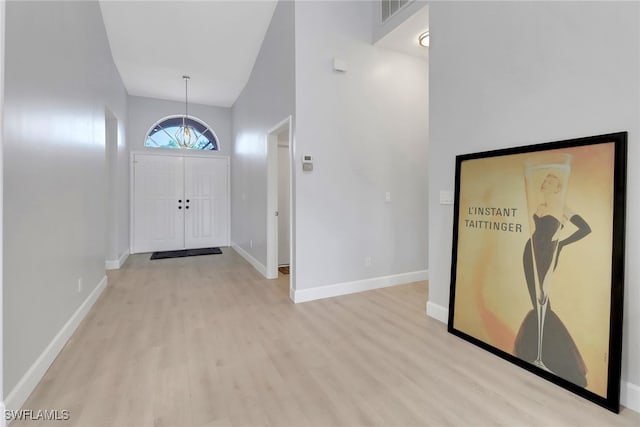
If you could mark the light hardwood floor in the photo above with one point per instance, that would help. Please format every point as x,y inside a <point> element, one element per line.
<point>205,341</point>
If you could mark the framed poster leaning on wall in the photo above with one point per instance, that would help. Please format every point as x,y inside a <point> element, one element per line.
<point>538,259</point>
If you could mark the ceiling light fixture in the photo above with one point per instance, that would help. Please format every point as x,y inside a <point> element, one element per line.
<point>186,136</point>
<point>423,39</point>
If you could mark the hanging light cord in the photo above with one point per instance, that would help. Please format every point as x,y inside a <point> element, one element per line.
<point>186,94</point>
<point>186,100</point>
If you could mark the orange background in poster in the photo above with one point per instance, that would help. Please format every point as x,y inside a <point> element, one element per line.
<point>491,297</point>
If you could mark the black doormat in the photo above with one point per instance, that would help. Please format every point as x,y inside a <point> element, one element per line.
<point>185,252</point>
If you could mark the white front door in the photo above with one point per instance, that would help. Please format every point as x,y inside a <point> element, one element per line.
<point>180,202</point>
<point>206,207</point>
<point>159,203</point>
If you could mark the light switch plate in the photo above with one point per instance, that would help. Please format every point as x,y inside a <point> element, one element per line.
<point>446,197</point>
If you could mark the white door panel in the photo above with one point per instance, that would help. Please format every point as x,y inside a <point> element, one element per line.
<point>206,189</point>
<point>158,214</point>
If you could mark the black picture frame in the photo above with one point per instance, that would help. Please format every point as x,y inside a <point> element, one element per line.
<point>501,216</point>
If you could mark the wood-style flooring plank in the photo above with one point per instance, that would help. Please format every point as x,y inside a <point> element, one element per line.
<point>207,342</point>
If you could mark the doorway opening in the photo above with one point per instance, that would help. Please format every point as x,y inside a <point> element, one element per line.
<point>111,190</point>
<point>280,230</point>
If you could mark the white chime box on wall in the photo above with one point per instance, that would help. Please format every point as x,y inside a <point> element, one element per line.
<point>340,65</point>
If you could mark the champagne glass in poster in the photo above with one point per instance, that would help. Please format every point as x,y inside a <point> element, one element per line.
<point>538,251</point>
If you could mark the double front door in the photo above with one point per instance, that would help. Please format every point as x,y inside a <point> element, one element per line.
<point>180,202</point>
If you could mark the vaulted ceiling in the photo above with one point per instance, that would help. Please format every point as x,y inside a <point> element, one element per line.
<point>216,42</point>
<point>155,43</point>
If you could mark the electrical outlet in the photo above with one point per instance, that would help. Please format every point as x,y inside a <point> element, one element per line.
<point>387,197</point>
<point>367,261</point>
<point>79,284</point>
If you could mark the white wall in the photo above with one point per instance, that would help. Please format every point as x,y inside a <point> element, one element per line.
<point>145,112</point>
<point>59,79</point>
<point>506,74</point>
<point>2,32</point>
<point>267,99</point>
<point>367,132</point>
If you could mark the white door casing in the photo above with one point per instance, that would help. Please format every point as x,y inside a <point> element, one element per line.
<point>285,126</point>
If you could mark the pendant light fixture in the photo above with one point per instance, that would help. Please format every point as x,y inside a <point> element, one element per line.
<point>186,136</point>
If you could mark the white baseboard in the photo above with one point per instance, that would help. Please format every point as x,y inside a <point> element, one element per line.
<point>630,396</point>
<point>3,422</point>
<point>438,312</point>
<point>319,292</point>
<point>114,264</point>
<point>250,259</point>
<point>16,398</point>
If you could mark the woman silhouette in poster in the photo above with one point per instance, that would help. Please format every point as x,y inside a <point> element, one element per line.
<point>559,353</point>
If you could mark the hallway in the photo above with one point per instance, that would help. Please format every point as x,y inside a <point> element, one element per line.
<point>205,341</point>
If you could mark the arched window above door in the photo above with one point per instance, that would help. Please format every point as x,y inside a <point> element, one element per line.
<point>165,133</point>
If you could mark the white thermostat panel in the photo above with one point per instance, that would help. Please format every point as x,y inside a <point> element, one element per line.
<point>307,163</point>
